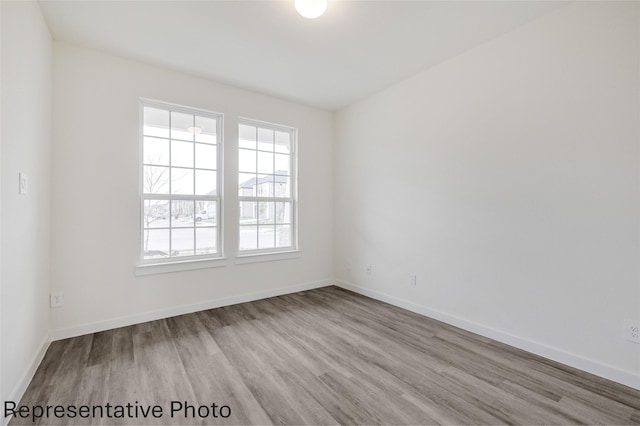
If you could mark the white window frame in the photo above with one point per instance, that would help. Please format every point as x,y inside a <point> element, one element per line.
<point>269,254</point>
<point>178,263</point>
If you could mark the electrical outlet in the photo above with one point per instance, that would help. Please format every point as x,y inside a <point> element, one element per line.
<point>412,279</point>
<point>632,330</point>
<point>57,299</point>
<point>368,269</point>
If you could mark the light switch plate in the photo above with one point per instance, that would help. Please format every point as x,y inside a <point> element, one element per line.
<point>24,184</point>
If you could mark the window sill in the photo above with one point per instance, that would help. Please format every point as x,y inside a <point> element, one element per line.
<point>185,265</point>
<point>267,257</point>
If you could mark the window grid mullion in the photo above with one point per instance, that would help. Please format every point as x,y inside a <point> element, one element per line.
<point>170,184</point>
<point>273,185</point>
<point>275,199</point>
<point>257,189</point>
<point>195,226</point>
<point>182,197</point>
<point>193,124</point>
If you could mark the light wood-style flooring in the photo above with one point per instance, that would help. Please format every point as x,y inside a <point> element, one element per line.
<point>326,356</point>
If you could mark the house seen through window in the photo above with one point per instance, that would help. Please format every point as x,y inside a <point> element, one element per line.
<point>266,187</point>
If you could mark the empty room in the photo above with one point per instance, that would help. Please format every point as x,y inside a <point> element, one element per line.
<point>311,212</point>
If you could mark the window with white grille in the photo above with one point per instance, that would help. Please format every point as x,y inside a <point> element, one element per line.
<point>266,187</point>
<point>179,183</point>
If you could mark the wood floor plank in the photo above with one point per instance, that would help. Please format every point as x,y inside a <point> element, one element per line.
<point>265,387</point>
<point>159,369</point>
<point>91,387</point>
<point>593,413</point>
<point>274,358</point>
<point>122,349</point>
<point>126,385</point>
<point>42,379</point>
<point>66,379</point>
<point>191,338</point>
<point>510,407</point>
<point>233,391</point>
<point>324,356</point>
<point>101,348</point>
<point>549,405</point>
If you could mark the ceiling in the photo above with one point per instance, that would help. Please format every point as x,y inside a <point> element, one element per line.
<point>355,49</point>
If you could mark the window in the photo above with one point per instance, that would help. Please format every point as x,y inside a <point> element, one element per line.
<point>267,187</point>
<point>179,183</point>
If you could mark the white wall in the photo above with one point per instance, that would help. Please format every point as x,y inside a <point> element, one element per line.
<point>95,193</point>
<point>26,147</point>
<point>507,179</point>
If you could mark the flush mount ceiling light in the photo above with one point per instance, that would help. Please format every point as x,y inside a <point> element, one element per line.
<point>194,129</point>
<point>311,9</point>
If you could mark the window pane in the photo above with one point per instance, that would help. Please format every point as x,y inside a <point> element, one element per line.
<point>266,172</point>
<point>283,236</point>
<point>248,237</point>
<point>156,151</point>
<point>156,214</point>
<point>206,212</point>
<point>283,212</point>
<point>155,243</point>
<point>181,154</point>
<point>282,188</point>
<point>206,182</point>
<point>265,139</point>
<point>265,162</point>
<point>283,142</point>
<point>155,180</point>
<point>247,161</point>
<point>266,212</point>
<point>248,212</point>
<point>181,181</point>
<point>205,129</point>
<point>264,186</point>
<point>182,126</point>
<point>180,160</point>
<point>156,122</point>
<point>206,156</point>
<point>247,136</point>
<point>283,164</point>
<point>206,240</point>
<point>247,184</point>
<point>182,242</point>
<point>266,236</point>
<point>181,214</point>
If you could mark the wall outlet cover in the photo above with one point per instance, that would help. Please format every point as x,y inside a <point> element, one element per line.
<point>631,330</point>
<point>57,299</point>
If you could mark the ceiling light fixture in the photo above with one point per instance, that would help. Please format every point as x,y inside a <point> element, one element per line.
<point>194,129</point>
<point>311,9</point>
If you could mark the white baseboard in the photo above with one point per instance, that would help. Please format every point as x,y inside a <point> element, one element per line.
<point>594,367</point>
<point>109,324</point>
<point>18,391</point>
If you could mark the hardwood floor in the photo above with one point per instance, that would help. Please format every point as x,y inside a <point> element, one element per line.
<point>325,356</point>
